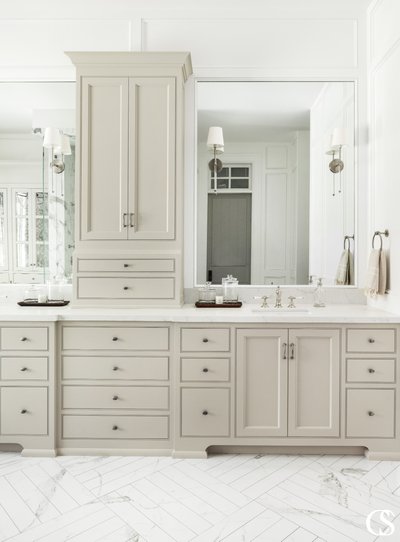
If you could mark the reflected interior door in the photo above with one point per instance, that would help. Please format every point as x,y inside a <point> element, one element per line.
<point>229,237</point>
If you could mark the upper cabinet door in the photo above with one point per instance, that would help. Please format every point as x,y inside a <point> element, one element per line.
<point>314,361</point>
<point>152,126</point>
<point>104,158</point>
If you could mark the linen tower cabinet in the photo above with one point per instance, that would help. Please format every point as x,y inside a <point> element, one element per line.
<point>130,178</point>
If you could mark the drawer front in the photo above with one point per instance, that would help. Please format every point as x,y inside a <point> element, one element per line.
<point>114,368</point>
<point>205,369</point>
<point>370,370</point>
<point>115,338</point>
<point>24,368</point>
<point>127,265</point>
<point>23,411</point>
<point>24,338</point>
<point>126,288</point>
<point>205,412</point>
<point>371,340</point>
<point>116,397</point>
<point>205,340</point>
<point>115,427</point>
<point>370,413</point>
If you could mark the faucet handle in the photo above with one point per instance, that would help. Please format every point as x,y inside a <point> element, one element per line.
<point>264,298</point>
<point>291,301</point>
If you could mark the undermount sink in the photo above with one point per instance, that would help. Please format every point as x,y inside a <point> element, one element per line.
<point>283,310</point>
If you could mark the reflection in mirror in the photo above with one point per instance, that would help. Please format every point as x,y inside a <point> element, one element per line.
<point>276,213</point>
<point>36,202</point>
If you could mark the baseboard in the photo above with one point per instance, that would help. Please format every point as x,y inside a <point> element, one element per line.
<point>115,452</point>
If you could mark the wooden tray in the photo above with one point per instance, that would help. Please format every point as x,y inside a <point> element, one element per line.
<point>54,303</point>
<point>236,305</point>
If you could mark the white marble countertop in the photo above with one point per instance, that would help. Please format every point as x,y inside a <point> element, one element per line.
<point>361,314</point>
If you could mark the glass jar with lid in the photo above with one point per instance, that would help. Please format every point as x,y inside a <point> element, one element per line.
<point>230,289</point>
<point>207,293</point>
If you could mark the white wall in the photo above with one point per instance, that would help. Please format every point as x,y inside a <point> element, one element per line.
<point>384,111</point>
<point>269,39</point>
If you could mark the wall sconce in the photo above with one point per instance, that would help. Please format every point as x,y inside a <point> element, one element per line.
<point>53,140</point>
<point>215,142</point>
<point>336,165</point>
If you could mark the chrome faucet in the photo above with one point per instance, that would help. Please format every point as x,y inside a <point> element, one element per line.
<point>278,299</point>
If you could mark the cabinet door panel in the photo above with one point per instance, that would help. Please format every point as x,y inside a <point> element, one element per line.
<point>152,157</point>
<point>262,382</point>
<point>104,172</point>
<point>314,364</point>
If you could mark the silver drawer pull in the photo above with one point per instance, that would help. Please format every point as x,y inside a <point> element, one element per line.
<point>132,220</point>
<point>205,412</point>
<point>205,370</point>
<point>371,340</point>
<point>115,368</point>
<point>284,350</point>
<point>114,427</point>
<point>371,413</point>
<point>23,339</point>
<point>24,411</point>
<point>124,220</point>
<point>24,369</point>
<point>115,339</point>
<point>115,397</point>
<point>371,370</point>
<point>291,350</point>
<point>205,340</point>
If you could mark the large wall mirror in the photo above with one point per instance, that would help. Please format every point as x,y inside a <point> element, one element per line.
<point>281,208</point>
<point>37,157</point>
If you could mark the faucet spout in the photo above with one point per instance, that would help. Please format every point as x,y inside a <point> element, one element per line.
<point>278,299</point>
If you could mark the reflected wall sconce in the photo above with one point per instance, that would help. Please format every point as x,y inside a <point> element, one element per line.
<point>60,146</point>
<point>215,142</point>
<point>336,165</point>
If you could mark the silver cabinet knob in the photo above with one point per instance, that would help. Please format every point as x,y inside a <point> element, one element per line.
<point>371,340</point>
<point>126,265</point>
<point>126,287</point>
<point>23,339</point>
<point>371,413</point>
<point>205,370</point>
<point>24,411</point>
<point>115,339</point>
<point>115,397</point>
<point>205,412</point>
<point>115,368</point>
<point>205,340</point>
<point>371,371</point>
<point>114,427</point>
<point>24,369</point>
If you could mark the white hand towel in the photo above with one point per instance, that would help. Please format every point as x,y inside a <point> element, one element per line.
<point>342,273</point>
<point>376,274</point>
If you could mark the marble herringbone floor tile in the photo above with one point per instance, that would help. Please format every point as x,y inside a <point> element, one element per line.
<point>230,498</point>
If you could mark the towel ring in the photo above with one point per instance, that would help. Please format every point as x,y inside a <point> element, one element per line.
<point>346,241</point>
<point>379,234</point>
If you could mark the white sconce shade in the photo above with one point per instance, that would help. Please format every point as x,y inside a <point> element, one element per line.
<point>338,138</point>
<point>65,147</point>
<point>215,138</point>
<point>52,138</point>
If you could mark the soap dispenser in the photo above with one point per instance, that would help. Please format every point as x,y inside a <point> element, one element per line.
<point>319,294</point>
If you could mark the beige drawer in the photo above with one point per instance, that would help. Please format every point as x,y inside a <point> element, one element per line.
<point>24,338</point>
<point>205,369</point>
<point>126,288</point>
<point>24,368</point>
<point>127,265</point>
<point>370,413</point>
<point>205,412</point>
<point>115,427</point>
<point>370,370</point>
<point>114,368</point>
<point>115,338</point>
<point>112,397</point>
<point>205,340</point>
<point>371,340</point>
<point>23,411</point>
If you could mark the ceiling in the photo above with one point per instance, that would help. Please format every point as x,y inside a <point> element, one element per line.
<point>255,110</point>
